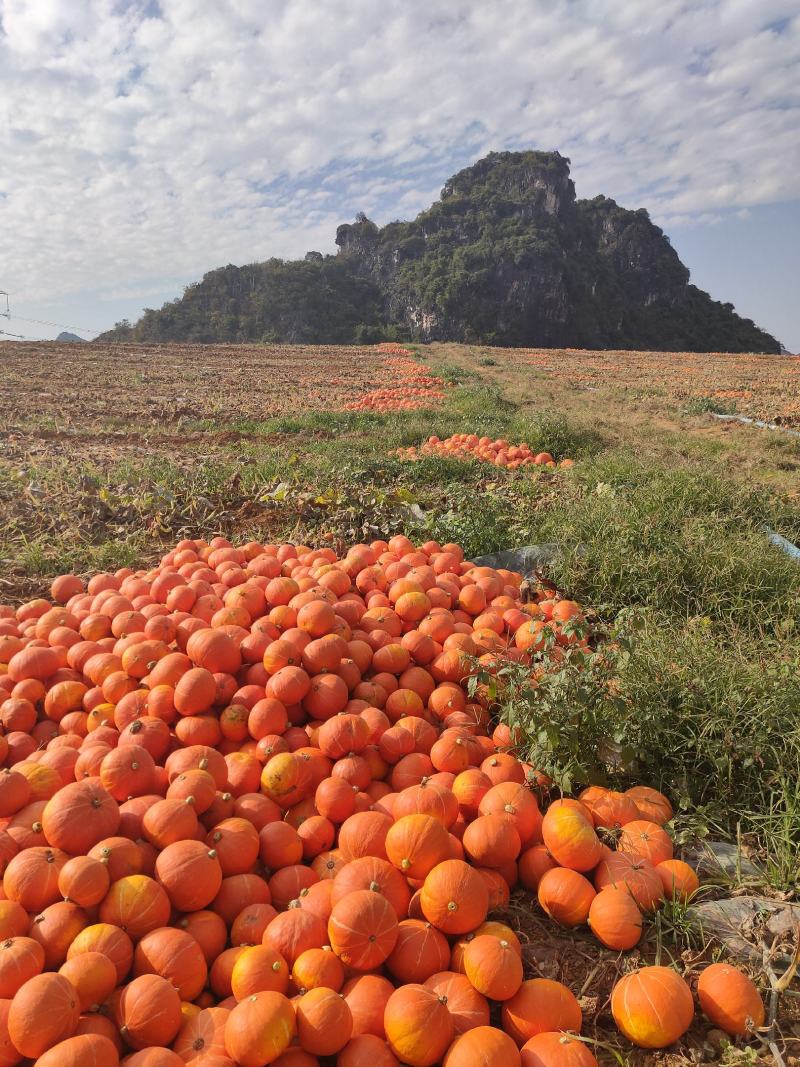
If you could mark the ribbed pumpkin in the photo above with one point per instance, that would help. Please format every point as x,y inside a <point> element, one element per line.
<point>492,840</point>
<point>615,919</point>
<point>652,804</point>
<point>55,929</point>
<point>516,801</point>
<point>86,1050</point>
<point>324,1021</point>
<point>176,956</point>
<point>420,951</point>
<point>730,1000</point>
<point>454,897</point>
<point>362,929</point>
<point>493,966</point>
<point>259,1029</point>
<point>609,808</point>
<point>556,1050</point>
<point>14,920</point>
<point>415,844</point>
<point>202,1034</point>
<point>540,1005</point>
<point>31,878</point>
<point>109,940</point>
<point>148,1012</point>
<point>367,996</point>
<point>678,879</point>
<point>83,881</point>
<point>257,970</point>
<point>485,1046</point>
<point>427,798</point>
<point>236,844</point>
<point>21,958</point>
<point>318,967</point>
<point>168,821</point>
<point>467,1007</point>
<point>364,1050</point>
<point>364,834</point>
<point>634,873</point>
<point>370,872</point>
<point>44,1011</point>
<point>80,815</point>
<point>653,1007</point>
<point>570,837</point>
<point>94,977</point>
<point>419,1029</point>
<point>190,873</point>
<point>566,896</point>
<point>647,839</point>
<point>533,863</point>
<point>292,932</point>
<point>137,905</point>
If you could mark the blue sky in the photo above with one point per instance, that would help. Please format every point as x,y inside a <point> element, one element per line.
<point>144,143</point>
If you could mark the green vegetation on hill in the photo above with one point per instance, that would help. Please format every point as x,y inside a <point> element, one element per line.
<point>506,256</point>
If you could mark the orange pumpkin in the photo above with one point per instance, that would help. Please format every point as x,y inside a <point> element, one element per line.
<point>609,808</point>
<point>21,958</point>
<point>190,873</point>
<point>540,1005</point>
<point>556,1050</point>
<point>177,956</point>
<point>634,873</point>
<point>566,896</point>
<point>55,929</point>
<point>148,1012</point>
<point>364,1050</point>
<point>647,839</point>
<point>419,1028</point>
<point>324,1021</point>
<point>363,929</point>
<point>292,932</point>
<point>259,1029</point>
<point>492,840</point>
<point>318,967</point>
<point>467,1007</point>
<point>419,952</point>
<point>136,904</point>
<point>455,898</point>
<point>370,872</point>
<point>94,977</point>
<point>44,1011</point>
<point>202,1035</point>
<point>678,879</point>
<point>415,844</point>
<point>570,837</point>
<point>730,1000</point>
<point>652,804</point>
<point>110,941</point>
<point>366,997</point>
<point>652,1007</point>
<point>615,919</point>
<point>485,1046</point>
<point>85,1050</point>
<point>259,969</point>
<point>83,881</point>
<point>493,966</point>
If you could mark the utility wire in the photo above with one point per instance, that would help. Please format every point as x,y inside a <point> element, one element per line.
<point>44,322</point>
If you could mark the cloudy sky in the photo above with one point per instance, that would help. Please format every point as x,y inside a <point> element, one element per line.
<point>143,143</point>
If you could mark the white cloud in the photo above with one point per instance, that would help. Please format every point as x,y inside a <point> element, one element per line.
<point>142,143</point>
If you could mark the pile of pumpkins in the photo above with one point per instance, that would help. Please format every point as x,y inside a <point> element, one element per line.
<point>500,453</point>
<point>250,814</point>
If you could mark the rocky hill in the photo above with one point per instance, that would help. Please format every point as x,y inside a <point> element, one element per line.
<point>506,256</point>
